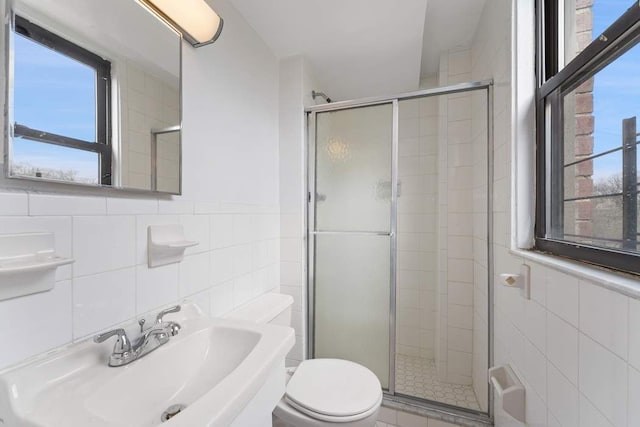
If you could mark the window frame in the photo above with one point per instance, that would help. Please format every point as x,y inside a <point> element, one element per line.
<point>620,36</point>
<point>102,145</point>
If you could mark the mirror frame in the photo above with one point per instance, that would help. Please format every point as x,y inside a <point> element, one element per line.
<point>9,34</point>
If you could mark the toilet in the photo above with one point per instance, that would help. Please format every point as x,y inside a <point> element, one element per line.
<point>319,392</point>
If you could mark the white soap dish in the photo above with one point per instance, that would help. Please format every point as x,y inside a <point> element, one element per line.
<point>28,264</point>
<point>510,390</point>
<point>167,244</point>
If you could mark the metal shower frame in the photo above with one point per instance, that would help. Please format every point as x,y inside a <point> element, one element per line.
<point>391,399</point>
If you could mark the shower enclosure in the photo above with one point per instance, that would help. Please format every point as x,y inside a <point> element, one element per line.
<point>399,242</point>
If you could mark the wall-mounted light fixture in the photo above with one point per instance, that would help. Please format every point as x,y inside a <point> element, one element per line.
<point>199,24</point>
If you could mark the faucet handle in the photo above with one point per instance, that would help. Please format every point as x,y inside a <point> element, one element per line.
<point>174,309</point>
<point>121,346</point>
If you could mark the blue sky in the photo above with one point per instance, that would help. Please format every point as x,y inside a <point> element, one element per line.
<point>56,94</point>
<point>616,91</point>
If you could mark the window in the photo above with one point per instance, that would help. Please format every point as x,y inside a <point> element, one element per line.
<point>61,107</point>
<point>588,115</point>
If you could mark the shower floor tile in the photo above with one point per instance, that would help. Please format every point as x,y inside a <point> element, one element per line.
<point>417,377</point>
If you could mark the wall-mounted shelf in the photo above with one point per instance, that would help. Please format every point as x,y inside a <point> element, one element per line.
<point>167,244</point>
<point>510,391</point>
<point>28,264</point>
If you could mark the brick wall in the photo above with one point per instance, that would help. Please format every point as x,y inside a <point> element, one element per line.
<point>584,126</point>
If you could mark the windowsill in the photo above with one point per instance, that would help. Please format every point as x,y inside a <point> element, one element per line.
<point>625,284</point>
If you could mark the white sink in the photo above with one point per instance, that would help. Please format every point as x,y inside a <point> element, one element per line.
<point>214,367</point>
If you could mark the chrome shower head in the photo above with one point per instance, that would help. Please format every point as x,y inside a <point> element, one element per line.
<point>315,94</point>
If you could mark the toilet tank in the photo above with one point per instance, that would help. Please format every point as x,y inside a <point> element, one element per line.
<point>269,308</point>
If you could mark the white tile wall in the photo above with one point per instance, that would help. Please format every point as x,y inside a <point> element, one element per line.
<point>588,350</point>
<point>461,262</point>
<point>103,300</point>
<point>562,296</point>
<point>563,398</point>
<point>603,379</point>
<point>603,316</point>
<point>230,170</point>
<point>585,372</point>
<point>15,203</point>
<point>562,346</point>
<point>634,396</point>
<point>634,333</point>
<point>103,243</point>
<point>156,287</point>
<point>110,283</point>
<point>36,324</point>
<point>417,241</point>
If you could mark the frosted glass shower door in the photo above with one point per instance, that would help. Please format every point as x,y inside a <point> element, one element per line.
<point>351,235</point>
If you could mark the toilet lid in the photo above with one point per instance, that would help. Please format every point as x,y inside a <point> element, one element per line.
<point>334,388</point>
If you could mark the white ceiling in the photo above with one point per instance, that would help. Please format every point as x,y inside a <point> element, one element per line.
<point>448,24</point>
<point>362,48</point>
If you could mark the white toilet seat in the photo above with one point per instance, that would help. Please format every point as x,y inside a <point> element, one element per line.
<point>334,391</point>
<point>291,417</point>
<point>335,419</point>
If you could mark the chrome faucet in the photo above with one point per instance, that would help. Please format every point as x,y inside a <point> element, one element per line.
<point>124,352</point>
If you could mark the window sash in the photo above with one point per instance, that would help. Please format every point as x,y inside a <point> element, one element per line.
<point>623,34</point>
<point>102,67</point>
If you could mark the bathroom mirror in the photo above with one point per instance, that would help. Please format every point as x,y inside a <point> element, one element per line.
<point>93,95</point>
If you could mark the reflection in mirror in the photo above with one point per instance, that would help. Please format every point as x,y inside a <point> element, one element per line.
<point>94,95</point>
<point>165,149</point>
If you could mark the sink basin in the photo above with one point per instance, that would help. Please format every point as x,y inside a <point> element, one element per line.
<point>213,368</point>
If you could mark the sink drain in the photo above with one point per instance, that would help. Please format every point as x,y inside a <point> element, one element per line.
<point>172,411</point>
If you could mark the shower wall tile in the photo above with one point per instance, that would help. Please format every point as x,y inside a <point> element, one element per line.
<point>460,339</point>
<point>459,62</point>
<point>411,109</point>
<point>457,246</point>
<point>428,126</point>
<point>460,316</point>
<point>408,128</point>
<point>460,293</point>
<point>409,147</point>
<point>417,221</point>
